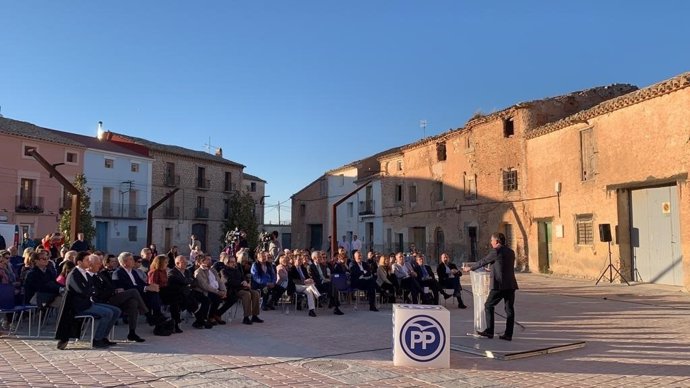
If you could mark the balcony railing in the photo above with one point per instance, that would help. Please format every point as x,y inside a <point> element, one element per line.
<point>229,186</point>
<point>171,180</point>
<point>203,184</point>
<point>171,212</point>
<point>28,204</point>
<point>119,210</point>
<point>201,212</point>
<point>366,207</point>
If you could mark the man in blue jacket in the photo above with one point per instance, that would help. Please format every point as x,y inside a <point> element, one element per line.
<point>503,285</point>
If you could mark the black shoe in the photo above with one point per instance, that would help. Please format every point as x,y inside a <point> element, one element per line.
<point>99,344</point>
<point>337,311</point>
<point>198,325</point>
<point>62,345</point>
<point>247,321</point>
<point>257,319</point>
<point>373,308</point>
<point>485,334</point>
<point>462,306</point>
<point>109,342</point>
<point>208,325</point>
<point>312,313</point>
<point>219,320</point>
<point>177,329</point>
<point>135,338</point>
<point>506,337</point>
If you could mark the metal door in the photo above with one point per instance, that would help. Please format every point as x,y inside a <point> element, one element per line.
<point>316,236</point>
<point>655,236</point>
<point>544,246</point>
<point>102,236</point>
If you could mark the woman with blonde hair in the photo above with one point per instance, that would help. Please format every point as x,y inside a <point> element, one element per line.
<point>382,280</point>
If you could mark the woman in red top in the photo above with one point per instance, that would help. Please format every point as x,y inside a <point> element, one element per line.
<point>158,272</point>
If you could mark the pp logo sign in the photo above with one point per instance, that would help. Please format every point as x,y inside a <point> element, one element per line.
<point>422,338</point>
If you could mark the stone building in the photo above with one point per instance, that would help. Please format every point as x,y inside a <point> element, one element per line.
<point>199,206</point>
<point>623,163</point>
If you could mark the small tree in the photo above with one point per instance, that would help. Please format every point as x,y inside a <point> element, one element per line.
<point>85,217</point>
<point>241,208</point>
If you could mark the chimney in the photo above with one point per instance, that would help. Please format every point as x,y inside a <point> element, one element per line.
<point>219,152</point>
<point>99,131</point>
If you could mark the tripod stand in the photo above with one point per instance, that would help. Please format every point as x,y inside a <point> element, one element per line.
<point>611,268</point>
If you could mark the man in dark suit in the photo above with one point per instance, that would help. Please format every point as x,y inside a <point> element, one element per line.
<point>362,278</point>
<point>80,291</point>
<point>425,276</point>
<point>503,285</point>
<point>318,271</point>
<point>449,277</point>
<point>125,278</point>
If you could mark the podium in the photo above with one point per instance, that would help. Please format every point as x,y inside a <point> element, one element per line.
<point>421,336</point>
<point>481,285</point>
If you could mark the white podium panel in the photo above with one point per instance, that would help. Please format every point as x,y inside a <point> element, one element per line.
<point>481,283</point>
<point>421,336</point>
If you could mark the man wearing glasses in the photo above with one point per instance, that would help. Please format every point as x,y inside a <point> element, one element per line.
<point>503,285</point>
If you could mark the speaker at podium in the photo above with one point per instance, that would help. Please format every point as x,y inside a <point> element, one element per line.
<point>605,233</point>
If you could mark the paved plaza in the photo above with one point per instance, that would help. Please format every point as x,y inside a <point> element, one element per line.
<point>635,336</point>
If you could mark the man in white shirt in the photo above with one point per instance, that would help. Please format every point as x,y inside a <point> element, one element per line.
<point>345,245</point>
<point>356,244</point>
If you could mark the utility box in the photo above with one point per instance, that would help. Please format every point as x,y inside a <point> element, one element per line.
<point>421,336</point>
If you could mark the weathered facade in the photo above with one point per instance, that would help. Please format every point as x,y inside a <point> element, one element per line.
<point>623,163</point>
<point>310,214</point>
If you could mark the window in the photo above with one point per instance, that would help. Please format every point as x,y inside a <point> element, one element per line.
<point>438,191</point>
<point>228,181</point>
<point>72,158</point>
<point>510,180</point>
<point>400,165</point>
<point>585,235</point>
<point>587,154</point>
<point>226,209</point>
<point>201,178</point>
<point>398,193</point>
<point>132,233</point>
<point>470,183</point>
<point>109,163</point>
<point>134,167</point>
<point>252,187</point>
<point>508,127</point>
<point>441,151</point>
<point>413,194</point>
<point>302,209</point>
<point>350,209</point>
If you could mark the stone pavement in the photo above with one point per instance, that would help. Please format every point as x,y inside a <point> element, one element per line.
<point>636,336</point>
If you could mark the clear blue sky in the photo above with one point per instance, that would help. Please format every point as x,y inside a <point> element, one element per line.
<point>294,88</point>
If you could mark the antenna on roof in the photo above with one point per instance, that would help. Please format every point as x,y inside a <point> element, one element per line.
<point>208,147</point>
<point>423,124</point>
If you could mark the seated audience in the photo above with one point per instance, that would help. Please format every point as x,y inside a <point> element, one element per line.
<point>179,296</point>
<point>263,279</point>
<point>405,278</point>
<point>239,288</point>
<point>362,278</point>
<point>128,301</point>
<point>208,283</point>
<point>303,284</point>
<point>79,294</point>
<point>449,277</point>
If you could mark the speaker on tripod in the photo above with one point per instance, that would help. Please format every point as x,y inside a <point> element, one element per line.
<point>605,236</point>
<point>605,233</point>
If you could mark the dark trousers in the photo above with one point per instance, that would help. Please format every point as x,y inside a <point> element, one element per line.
<point>201,314</point>
<point>433,288</point>
<point>453,283</point>
<point>219,306</point>
<point>495,297</point>
<point>368,285</point>
<point>411,284</point>
<point>132,304</point>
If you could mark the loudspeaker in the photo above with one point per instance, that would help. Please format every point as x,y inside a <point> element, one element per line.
<point>605,232</point>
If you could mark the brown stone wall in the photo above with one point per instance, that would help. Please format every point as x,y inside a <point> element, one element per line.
<point>309,206</point>
<point>641,145</point>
